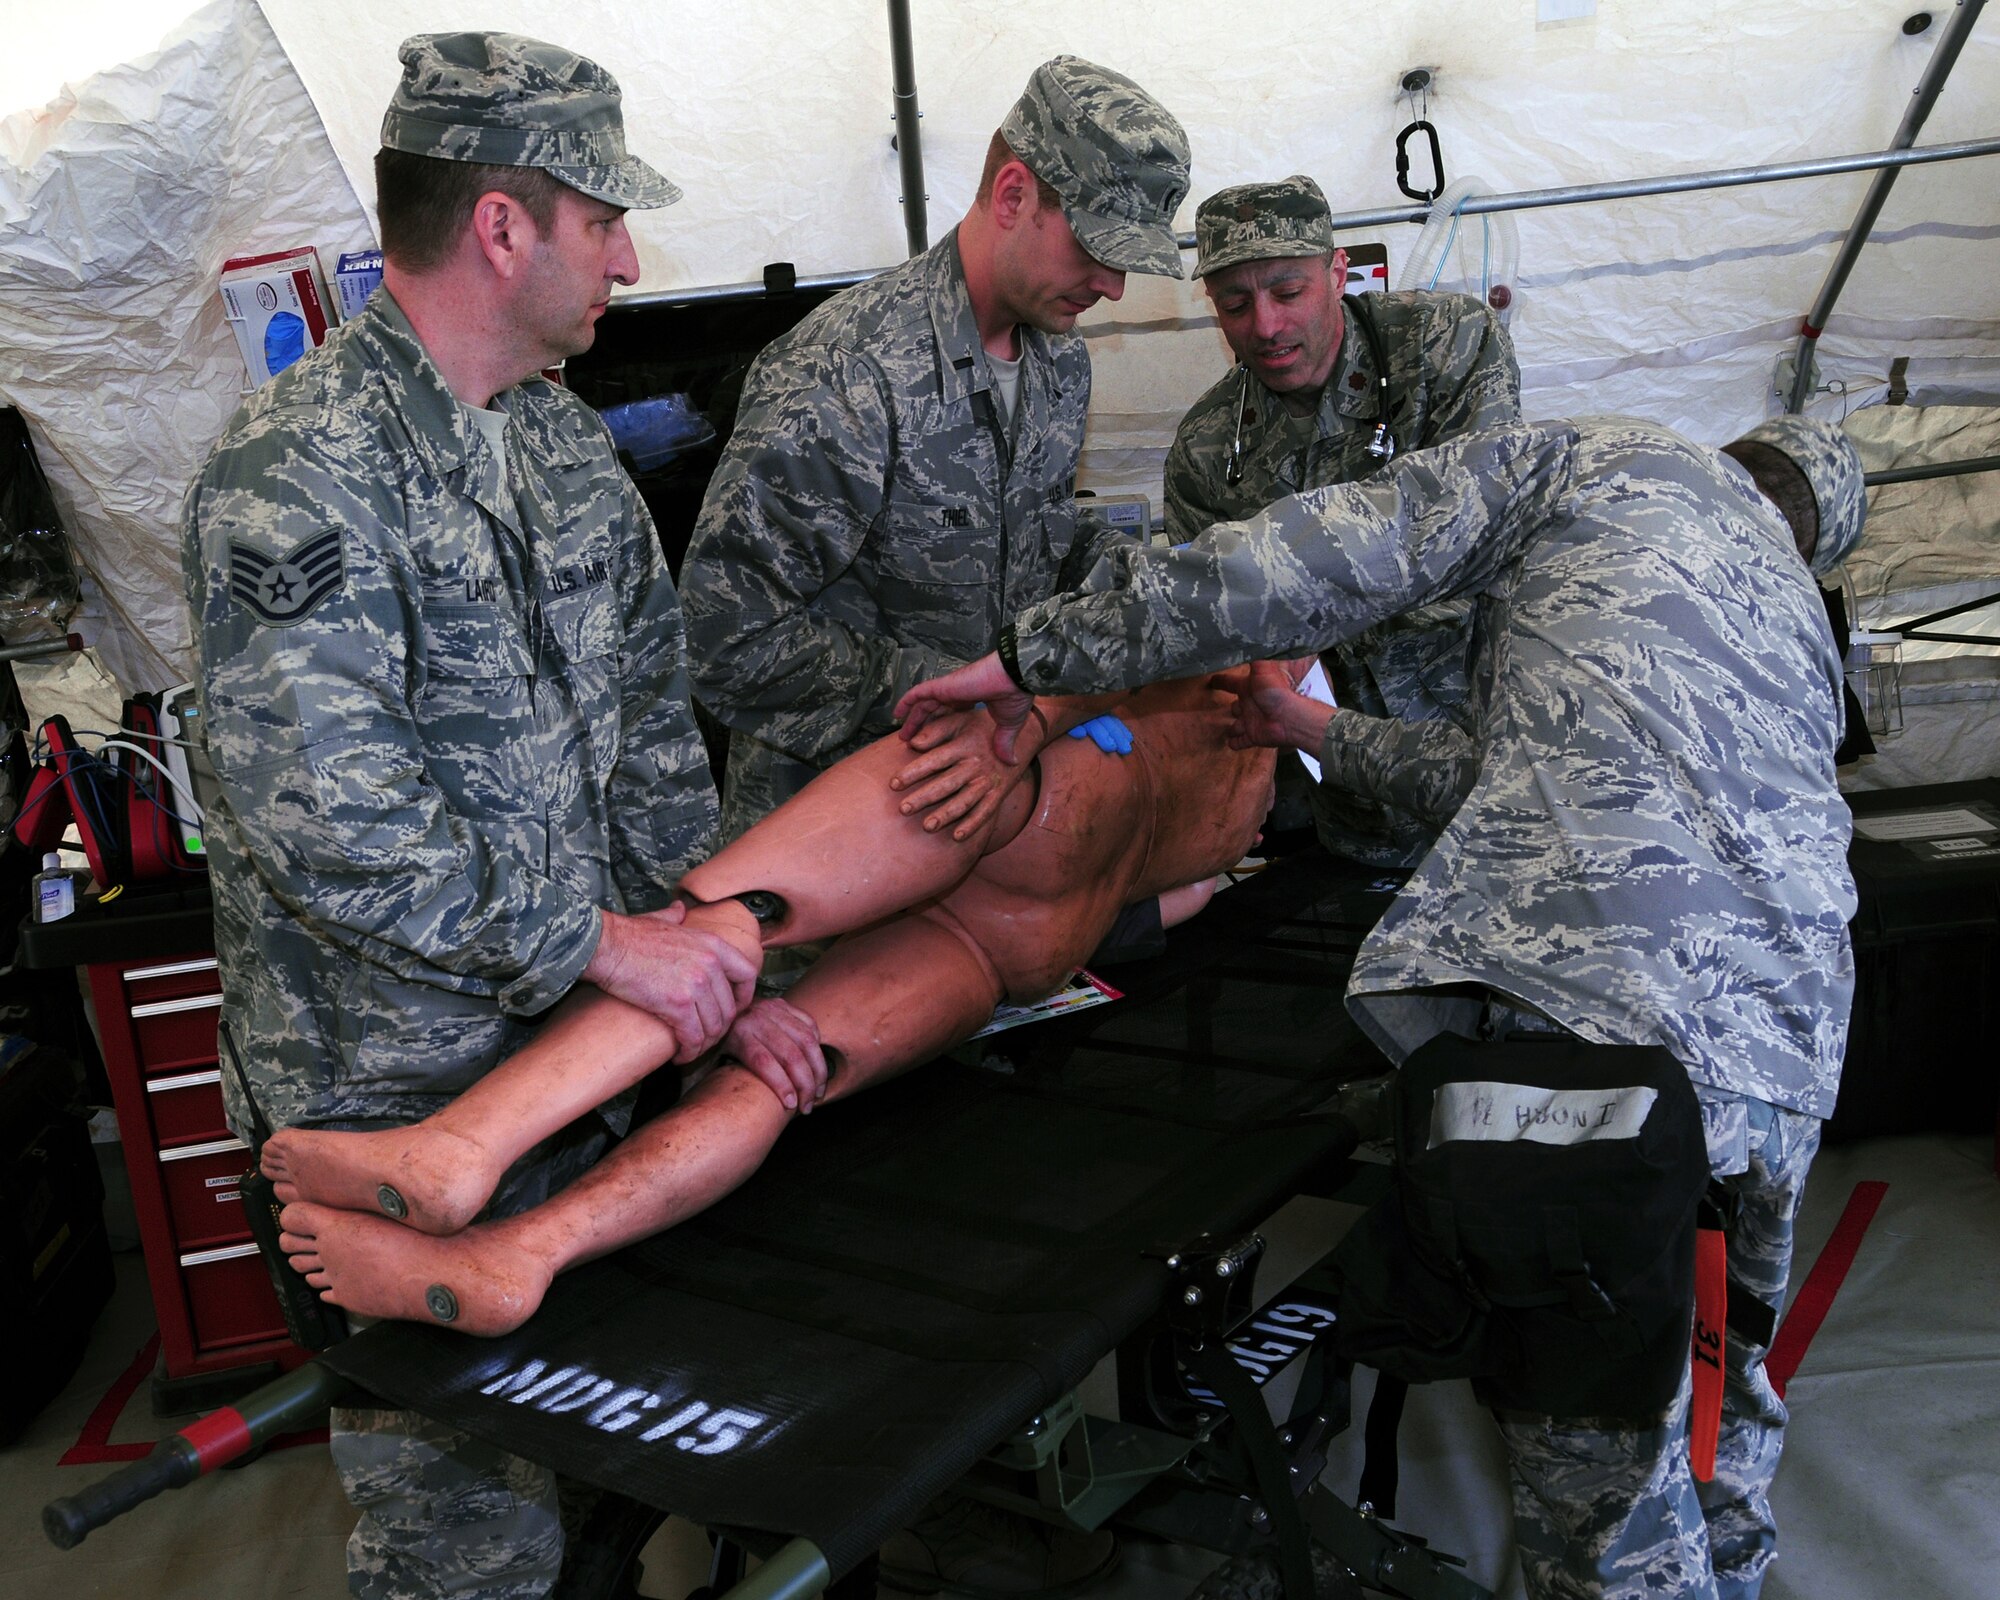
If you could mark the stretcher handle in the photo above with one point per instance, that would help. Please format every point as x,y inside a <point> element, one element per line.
<point>68,1519</point>
<point>214,1441</point>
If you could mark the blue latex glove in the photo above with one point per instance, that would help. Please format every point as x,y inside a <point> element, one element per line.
<point>1107,733</point>
<point>284,341</point>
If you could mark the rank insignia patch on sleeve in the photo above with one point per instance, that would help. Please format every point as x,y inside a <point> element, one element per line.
<point>285,589</point>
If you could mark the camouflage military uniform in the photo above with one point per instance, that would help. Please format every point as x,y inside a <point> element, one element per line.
<point>876,516</point>
<point>447,705</point>
<point>1653,850</point>
<point>1451,370</point>
<point>446,702</point>
<point>445,697</point>
<point>873,521</point>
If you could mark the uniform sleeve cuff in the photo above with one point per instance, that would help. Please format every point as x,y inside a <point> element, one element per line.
<point>557,966</point>
<point>1344,750</point>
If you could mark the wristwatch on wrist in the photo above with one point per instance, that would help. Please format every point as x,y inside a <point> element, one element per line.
<point>1008,648</point>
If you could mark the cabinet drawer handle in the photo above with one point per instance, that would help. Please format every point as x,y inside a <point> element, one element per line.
<point>225,1252</point>
<point>193,1002</point>
<point>186,1080</point>
<point>172,970</point>
<point>192,1152</point>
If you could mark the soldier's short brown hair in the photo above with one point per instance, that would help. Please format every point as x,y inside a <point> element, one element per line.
<point>1784,483</point>
<point>998,154</point>
<point>423,203</point>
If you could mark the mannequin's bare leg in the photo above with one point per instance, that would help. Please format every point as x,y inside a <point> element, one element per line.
<point>1178,905</point>
<point>839,855</point>
<point>890,996</point>
<point>441,1171</point>
<point>436,1174</point>
<point>490,1278</point>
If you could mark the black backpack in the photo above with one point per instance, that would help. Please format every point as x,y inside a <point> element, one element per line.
<point>1539,1237</point>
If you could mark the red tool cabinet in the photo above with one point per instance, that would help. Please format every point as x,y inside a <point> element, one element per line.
<point>217,1313</point>
<point>153,987</point>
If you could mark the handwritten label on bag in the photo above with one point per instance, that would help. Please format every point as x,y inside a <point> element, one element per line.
<point>1509,1112</point>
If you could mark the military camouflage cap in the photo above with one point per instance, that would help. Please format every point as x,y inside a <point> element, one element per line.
<point>1832,466</point>
<point>507,101</point>
<point>1115,155</point>
<point>1260,222</point>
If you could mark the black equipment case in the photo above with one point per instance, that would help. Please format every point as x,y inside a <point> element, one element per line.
<point>1921,1049</point>
<point>55,1263</point>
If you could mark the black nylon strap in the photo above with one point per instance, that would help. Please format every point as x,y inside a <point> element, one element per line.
<point>1008,648</point>
<point>261,1127</point>
<point>1750,1319</point>
<point>1379,1464</point>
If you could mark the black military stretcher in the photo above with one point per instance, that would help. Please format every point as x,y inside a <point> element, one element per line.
<point>908,1293</point>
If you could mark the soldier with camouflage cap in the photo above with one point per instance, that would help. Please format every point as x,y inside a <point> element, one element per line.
<point>446,701</point>
<point>1306,406</point>
<point>900,477</point>
<point>1642,840</point>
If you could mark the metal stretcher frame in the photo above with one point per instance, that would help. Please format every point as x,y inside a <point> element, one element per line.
<point>1073,1177</point>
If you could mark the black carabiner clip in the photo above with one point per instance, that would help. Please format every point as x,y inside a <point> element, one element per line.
<point>1403,162</point>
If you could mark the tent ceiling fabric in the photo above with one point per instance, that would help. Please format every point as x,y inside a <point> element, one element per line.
<point>119,202</point>
<point>775,119</point>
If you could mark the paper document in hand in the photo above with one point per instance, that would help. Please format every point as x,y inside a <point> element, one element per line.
<point>1315,687</point>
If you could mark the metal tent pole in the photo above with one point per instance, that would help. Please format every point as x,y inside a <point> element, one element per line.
<point>1677,183</point>
<point>909,142</point>
<point>1932,469</point>
<point>1935,73</point>
<point>1524,200</point>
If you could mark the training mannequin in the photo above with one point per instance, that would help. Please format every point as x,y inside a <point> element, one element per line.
<point>942,912</point>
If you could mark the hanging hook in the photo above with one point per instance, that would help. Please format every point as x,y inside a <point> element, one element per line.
<point>1403,162</point>
<point>1415,87</point>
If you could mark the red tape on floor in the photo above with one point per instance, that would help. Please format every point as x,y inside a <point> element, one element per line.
<point>93,1447</point>
<point>1815,1297</point>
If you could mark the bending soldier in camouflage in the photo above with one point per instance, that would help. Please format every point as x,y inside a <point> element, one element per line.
<point>1642,841</point>
<point>900,477</point>
<point>1307,406</point>
<point>443,681</point>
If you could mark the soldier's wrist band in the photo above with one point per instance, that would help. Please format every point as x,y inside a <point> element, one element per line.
<point>1009,650</point>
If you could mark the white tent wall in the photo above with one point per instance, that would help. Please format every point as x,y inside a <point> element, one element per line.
<point>119,202</point>
<point>1931,544</point>
<point>774,115</point>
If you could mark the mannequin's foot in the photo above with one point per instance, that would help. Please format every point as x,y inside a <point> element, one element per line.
<point>471,1281</point>
<point>423,1176</point>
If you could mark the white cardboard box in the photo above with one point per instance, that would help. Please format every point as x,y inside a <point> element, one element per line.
<point>278,306</point>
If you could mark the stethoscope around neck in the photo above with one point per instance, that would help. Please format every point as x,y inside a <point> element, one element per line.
<point>1382,446</point>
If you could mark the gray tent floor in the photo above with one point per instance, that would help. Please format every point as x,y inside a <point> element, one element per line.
<point>1890,1484</point>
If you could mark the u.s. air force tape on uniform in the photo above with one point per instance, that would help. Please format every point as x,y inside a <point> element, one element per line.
<point>1510,1112</point>
<point>285,589</point>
